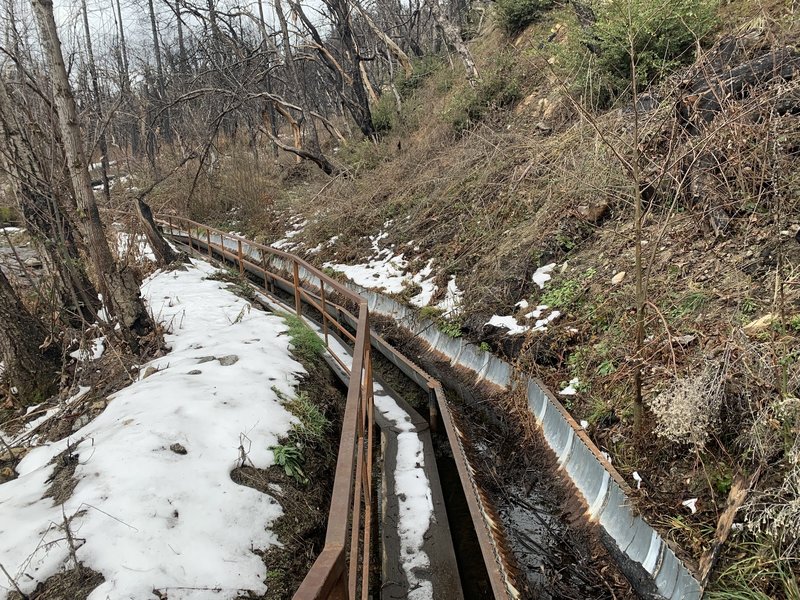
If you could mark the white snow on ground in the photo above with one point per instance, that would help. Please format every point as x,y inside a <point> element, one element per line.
<point>87,354</point>
<point>11,229</point>
<point>414,497</point>
<point>535,313</point>
<point>147,517</point>
<point>387,271</point>
<point>542,275</point>
<point>572,387</point>
<point>297,225</point>
<point>425,281</point>
<point>515,327</point>
<point>136,245</point>
<point>452,299</point>
<point>509,323</point>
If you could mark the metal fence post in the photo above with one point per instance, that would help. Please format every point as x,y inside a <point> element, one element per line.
<point>324,312</point>
<point>297,305</point>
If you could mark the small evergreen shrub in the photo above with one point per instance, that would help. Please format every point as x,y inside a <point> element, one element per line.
<point>500,88</point>
<point>515,15</point>
<point>384,114</point>
<point>657,36</point>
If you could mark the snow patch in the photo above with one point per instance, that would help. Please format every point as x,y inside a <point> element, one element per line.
<point>452,298</point>
<point>134,244</point>
<point>542,275</point>
<point>150,518</point>
<point>572,387</point>
<point>96,350</point>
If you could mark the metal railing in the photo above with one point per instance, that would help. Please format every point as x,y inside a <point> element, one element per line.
<point>342,569</point>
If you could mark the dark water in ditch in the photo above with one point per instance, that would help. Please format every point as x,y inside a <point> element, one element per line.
<point>557,556</point>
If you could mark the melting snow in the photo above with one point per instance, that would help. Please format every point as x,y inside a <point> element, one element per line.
<point>96,351</point>
<point>691,504</point>
<point>572,387</point>
<point>509,323</point>
<point>134,244</point>
<point>148,518</point>
<point>48,414</point>
<point>387,271</point>
<point>542,275</point>
<point>514,327</point>
<point>452,299</point>
<point>297,225</point>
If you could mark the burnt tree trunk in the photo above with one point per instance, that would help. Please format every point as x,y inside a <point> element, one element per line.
<point>32,369</point>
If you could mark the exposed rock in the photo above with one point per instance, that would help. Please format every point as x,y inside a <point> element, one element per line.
<point>594,213</point>
<point>759,324</point>
<point>617,279</point>
<point>178,448</point>
<point>227,361</point>
<point>149,371</point>
<point>13,453</point>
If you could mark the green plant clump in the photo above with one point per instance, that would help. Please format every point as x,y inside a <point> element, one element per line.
<point>515,15</point>
<point>305,343</point>
<point>655,37</point>
<point>500,88</point>
<point>384,114</point>
<point>290,458</point>
<point>311,429</point>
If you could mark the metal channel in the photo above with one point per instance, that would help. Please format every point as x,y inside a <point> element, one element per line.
<point>335,575</point>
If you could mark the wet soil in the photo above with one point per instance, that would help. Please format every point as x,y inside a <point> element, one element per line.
<point>75,584</point>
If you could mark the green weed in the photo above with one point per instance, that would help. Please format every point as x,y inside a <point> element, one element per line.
<point>305,343</point>
<point>451,328</point>
<point>313,425</point>
<point>290,458</point>
<point>606,368</point>
<point>430,312</point>
<point>689,304</point>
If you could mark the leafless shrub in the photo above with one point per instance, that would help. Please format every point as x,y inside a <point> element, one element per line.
<point>687,410</point>
<point>775,512</point>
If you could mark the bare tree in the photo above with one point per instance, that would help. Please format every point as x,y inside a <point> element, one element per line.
<point>118,286</point>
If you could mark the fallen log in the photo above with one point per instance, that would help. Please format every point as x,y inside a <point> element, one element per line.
<point>707,94</point>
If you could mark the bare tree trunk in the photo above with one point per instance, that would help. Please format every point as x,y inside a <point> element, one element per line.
<point>98,107</point>
<point>40,209</point>
<point>453,39</point>
<point>119,288</point>
<point>396,51</point>
<point>161,86</point>
<point>32,368</point>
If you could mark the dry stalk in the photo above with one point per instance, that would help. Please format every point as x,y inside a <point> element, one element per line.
<point>14,583</point>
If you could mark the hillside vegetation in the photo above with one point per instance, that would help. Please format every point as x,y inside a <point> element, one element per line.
<point>543,160</point>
